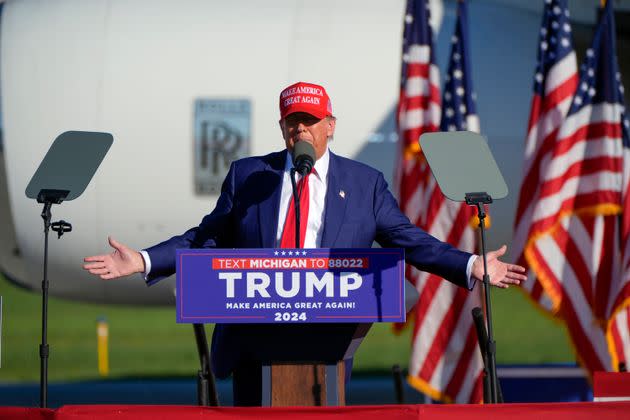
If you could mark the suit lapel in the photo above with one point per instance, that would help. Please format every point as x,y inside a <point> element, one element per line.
<point>268,209</point>
<point>335,203</point>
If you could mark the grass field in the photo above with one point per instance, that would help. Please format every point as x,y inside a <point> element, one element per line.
<point>147,341</point>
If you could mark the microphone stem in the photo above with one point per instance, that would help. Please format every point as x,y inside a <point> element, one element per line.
<point>296,204</point>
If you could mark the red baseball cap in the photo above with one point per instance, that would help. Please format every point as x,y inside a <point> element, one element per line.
<point>305,97</point>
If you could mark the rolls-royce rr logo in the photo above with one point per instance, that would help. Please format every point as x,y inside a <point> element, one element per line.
<point>219,144</point>
<point>221,136</point>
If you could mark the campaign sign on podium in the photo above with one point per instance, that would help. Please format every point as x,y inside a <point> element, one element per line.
<point>290,286</point>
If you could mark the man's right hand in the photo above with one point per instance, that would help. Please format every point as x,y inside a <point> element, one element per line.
<point>123,261</point>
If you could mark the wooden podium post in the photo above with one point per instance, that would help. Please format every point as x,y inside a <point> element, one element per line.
<point>303,384</point>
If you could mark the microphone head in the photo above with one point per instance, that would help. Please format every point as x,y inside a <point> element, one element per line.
<point>303,157</point>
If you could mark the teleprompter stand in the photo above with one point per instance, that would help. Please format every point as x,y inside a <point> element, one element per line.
<point>63,175</point>
<point>466,171</point>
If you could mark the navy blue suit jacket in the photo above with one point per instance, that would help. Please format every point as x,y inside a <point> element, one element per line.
<point>246,216</point>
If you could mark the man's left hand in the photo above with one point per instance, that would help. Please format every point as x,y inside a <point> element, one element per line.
<point>501,274</point>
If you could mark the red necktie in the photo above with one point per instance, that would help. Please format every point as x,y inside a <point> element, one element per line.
<point>288,234</point>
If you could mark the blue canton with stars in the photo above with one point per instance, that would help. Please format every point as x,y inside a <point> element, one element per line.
<point>459,98</point>
<point>600,79</point>
<point>415,32</point>
<point>555,41</point>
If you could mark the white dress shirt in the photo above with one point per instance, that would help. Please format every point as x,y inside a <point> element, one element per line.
<point>317,185</point>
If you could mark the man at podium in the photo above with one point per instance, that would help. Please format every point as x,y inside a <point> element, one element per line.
<point>344,204</point>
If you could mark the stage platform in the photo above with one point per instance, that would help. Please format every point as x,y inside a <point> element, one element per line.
<point>554,411</point>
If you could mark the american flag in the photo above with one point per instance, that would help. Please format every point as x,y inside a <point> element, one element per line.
<point>445,361</point>
<point>555,82</point>
<point>576,241</point>
<point>418,112</point>
<point>618,335</point>
<point>418,108</point>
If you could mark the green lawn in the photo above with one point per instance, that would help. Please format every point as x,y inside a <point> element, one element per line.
<point>148,342</point>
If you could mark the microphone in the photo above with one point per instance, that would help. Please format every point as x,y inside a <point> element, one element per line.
<point>303,157</point>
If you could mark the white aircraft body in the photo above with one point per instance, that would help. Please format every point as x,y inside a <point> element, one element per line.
<point>143,71</point>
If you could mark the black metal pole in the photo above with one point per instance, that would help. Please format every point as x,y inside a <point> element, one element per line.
<point>398,384</point>
<point>206,386</point>
<point>482,338</point>
<point>43,348</point>
<point>491,346</point>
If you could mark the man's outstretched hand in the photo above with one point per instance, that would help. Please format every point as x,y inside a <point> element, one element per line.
<point>501,274</point>
<point>123,261</point>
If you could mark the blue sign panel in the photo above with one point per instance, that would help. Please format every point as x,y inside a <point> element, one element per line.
<point>290,286</point>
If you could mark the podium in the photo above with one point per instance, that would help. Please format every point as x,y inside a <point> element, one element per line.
<point>304,365</point>
<point>289,321</point>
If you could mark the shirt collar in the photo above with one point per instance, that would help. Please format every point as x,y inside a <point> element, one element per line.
<point>321,165</point>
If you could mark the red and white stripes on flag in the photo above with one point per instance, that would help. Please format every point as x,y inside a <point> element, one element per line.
<point>555,82</point>
<point>619,339</point>
<point>445,362</point>
<point>576,242</point>
<point>418,112</point>
<point>619,329</point>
